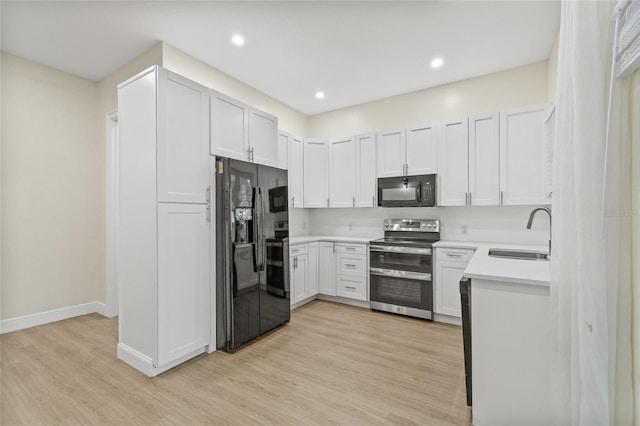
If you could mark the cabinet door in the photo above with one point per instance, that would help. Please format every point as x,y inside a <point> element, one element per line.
<point>183,280</point>
<point>484,160</point>
<point>263,137</point>
<point>183,139</point>
<point>312,269</point>
<point>391,153</point>
<point>454,164</point>
<point>448,288</point>
<point>295,163</point>
<point>342,175</point>
<point>422,149</point>
<point>327,272</point>
<point>283,149</point>
<point>522,156</point>
<point>299,277</point>
<point>316,173</point>
<point>229,127</point>
<point>366,170</point>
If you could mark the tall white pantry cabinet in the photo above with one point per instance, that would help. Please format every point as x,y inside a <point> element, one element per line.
<point>163,220</point>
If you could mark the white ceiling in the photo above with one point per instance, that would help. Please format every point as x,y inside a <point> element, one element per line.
<point>354,51</point>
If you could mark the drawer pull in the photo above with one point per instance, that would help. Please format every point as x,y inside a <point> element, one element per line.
<point>350,288</point>
<point>350,248</point>
<point>349,265</point>
<point>453,255</point>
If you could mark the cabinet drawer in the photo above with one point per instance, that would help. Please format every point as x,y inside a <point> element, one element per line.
<point>456,255</point>
<point>352,287</point>
<point>351,248</point>
<point>299,249</point>
<point>350,264</point>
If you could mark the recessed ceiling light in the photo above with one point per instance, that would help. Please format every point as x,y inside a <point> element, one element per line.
<point>237,39</point>
<point>437,63</point>
<point>320,95</point>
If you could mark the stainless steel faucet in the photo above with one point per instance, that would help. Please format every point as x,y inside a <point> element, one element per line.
<point>533,213</point>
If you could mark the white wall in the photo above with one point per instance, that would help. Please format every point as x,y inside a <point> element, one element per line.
<point>52,202</point>
<point>180,62</point>
<point>502,224</point>
<point>552,70</point>
<point>506,89</point>
<point>635,252</point>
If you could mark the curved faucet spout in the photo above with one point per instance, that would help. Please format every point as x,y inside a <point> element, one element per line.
<point>533,213</point>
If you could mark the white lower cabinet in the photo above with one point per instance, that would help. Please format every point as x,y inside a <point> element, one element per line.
<point>449,266</point>
<point>327,270</point>
<point>303,265</point>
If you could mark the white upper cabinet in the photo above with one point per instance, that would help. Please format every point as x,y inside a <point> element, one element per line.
<point>241,132</point>
<point>283,149</point>
<point>391,153</point>
<point>263,138</point>
<point>342,174</point>
<point>295,163</point>
<point>183,128</point>
<point>366,170</point>
<point>316,173</point>
<point>484,160</point>
<point>422,150</point>
<point>229,127</point>
<point>523,156</point>
<point>453,165</point>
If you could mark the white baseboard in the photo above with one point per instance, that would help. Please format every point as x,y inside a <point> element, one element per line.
<point>144,364</point>
<point>447,319</point>
<point>28,321</point>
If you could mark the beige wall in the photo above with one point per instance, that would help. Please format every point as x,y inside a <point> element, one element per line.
<point>52,254</point>
<point>194,69</point>
<point>506,89</point>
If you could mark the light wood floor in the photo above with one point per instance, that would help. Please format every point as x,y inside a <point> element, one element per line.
<point>332,364</point>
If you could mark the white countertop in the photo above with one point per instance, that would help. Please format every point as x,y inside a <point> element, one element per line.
<point>531,272</point>
<point>332,238</point>
<point>459,244</point>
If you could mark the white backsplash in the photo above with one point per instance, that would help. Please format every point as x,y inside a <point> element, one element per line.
<point>507,224</point>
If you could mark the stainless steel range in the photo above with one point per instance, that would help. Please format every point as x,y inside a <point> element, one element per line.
<point>401,267</point>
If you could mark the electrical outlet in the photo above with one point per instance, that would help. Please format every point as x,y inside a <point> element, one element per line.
<point>351,227</point>
<point>304,225</point>
<point>464,229</point>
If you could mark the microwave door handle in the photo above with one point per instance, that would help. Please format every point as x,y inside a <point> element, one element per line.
<point>418,192</point>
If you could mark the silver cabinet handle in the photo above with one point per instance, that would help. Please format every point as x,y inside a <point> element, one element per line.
<point>501,198</point>
<point>292,202</point>
<point>350,248</point>
<point>350,288</point>
<point>249,154</point>
<point>452,255</point>
<point>327,202</point>
<point>252,154</point>
<point>373,201</point>
<point>466,198</point>
<point>334,247</point>
<point>354,201</point>
<point>470,199</point>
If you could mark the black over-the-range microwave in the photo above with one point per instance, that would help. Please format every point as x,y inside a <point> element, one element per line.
<point>407,191</point>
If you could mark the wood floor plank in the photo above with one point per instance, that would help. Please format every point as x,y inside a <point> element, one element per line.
<point>333,364</point>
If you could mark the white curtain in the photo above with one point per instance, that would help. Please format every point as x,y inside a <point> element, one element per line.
<point>590,275</point>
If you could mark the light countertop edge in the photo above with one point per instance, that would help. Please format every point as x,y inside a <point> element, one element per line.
<point>330,238</point>
<point>515,271</point>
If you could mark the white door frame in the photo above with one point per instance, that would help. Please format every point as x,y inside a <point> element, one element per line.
<point>111,274</point>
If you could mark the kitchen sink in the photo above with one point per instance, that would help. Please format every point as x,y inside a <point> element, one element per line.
<point>518,254</point>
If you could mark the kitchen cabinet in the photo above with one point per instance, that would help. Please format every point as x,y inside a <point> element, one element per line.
<point>327,273</point>
<point>303,266</point>
<point>365,170</point>
<point>449,269</point>
<point>523,156</point>
<point>295,163</point>
<point>342,172</point>
<point>241,132</point>
<point>410,151</point>
<point>484,160</point>
<point>352,271</point>
<point>316,173</point>
<point>454,163</point>
<point>283,149</point>
<point>391,152</point>
<point>163,221</point>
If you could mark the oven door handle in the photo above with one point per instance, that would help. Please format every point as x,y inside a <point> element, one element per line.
<point>400,274</point>
<point>400,249</point>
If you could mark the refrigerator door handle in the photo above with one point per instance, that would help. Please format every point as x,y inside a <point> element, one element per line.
<point>256,231</point>
<point>263,245</point>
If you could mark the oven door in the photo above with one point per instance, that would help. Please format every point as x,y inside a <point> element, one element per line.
<point>401,288</point>
<point>402,258</point>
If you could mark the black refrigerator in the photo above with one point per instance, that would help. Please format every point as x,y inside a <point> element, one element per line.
<point>252,251</point>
